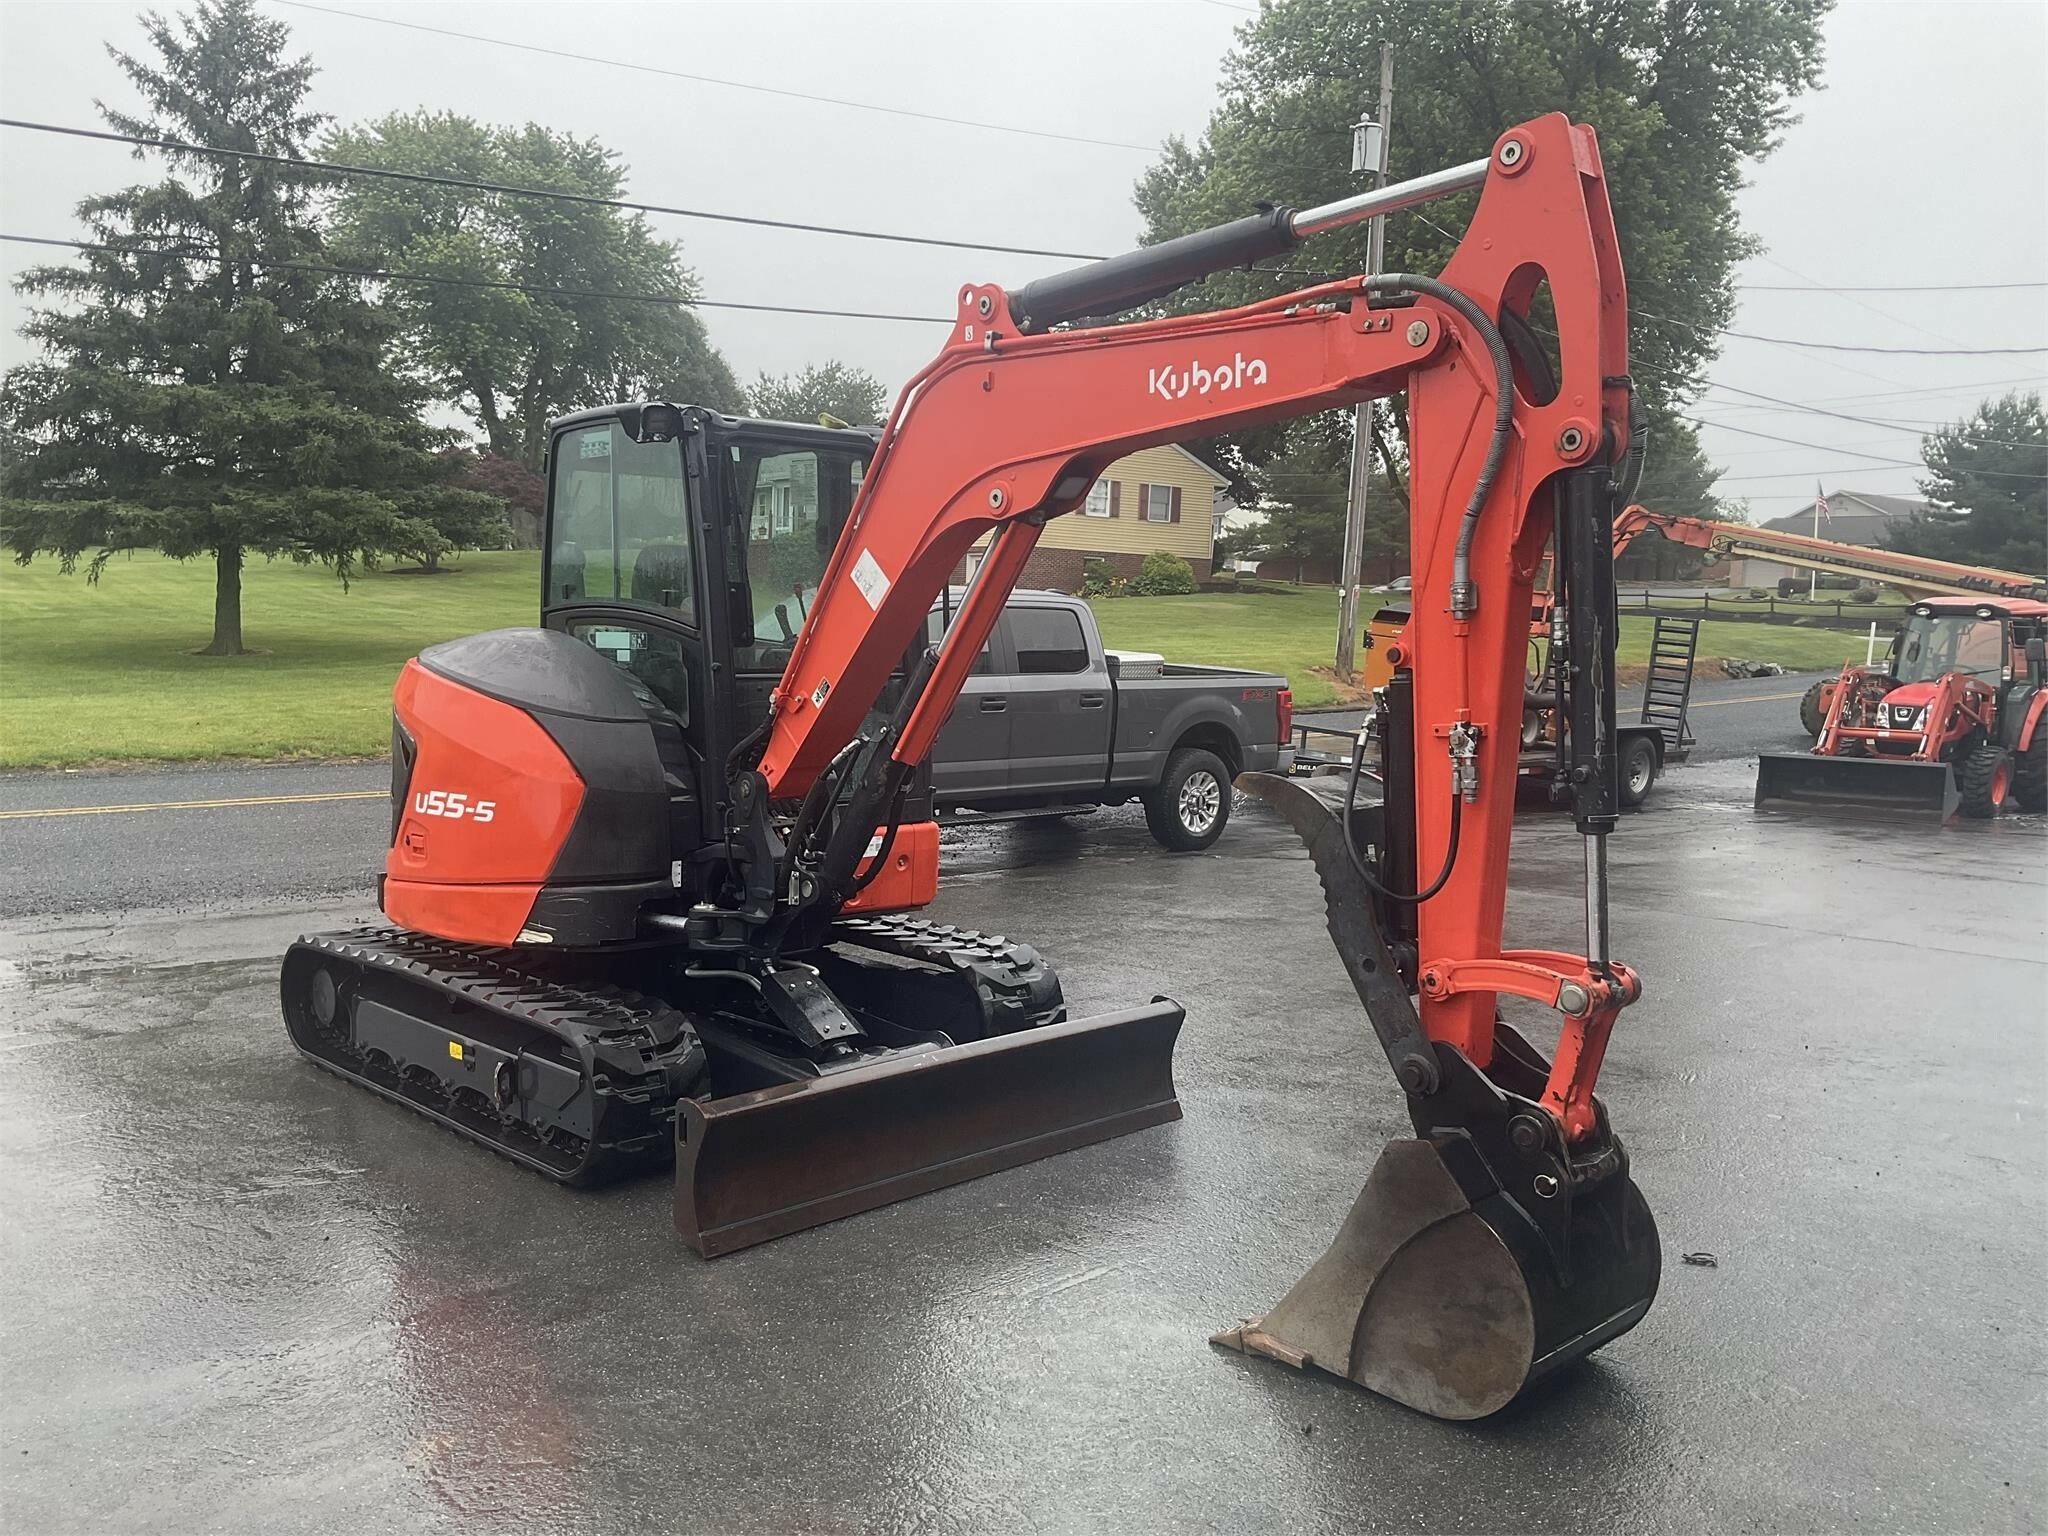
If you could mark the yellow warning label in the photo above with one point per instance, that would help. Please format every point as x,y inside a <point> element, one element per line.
<point>455,1049</point>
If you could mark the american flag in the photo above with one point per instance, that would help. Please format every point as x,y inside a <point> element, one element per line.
<point>1820,503</point>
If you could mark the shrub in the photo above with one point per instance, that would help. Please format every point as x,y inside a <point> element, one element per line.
<point>1865,595</point>
<point>1099,579</point>
<point>1163,575</point>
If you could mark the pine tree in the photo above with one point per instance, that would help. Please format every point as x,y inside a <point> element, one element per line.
<point>200,392</point>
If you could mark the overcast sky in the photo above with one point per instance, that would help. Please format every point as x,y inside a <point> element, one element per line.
<point>1920,163</point>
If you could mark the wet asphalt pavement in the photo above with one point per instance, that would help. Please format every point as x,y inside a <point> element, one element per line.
<point>246,1296</point>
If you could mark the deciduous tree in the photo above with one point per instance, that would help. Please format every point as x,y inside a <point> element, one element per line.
<point>523,324</point>
<point>835,389</point>
<point>1685,94</point>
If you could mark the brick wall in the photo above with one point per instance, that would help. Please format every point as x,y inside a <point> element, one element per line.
<point>1059,570</point>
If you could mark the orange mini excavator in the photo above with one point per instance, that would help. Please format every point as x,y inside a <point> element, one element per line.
<point>652,864</point>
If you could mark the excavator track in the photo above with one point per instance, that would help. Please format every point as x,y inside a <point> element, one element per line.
<point>577,1083</point>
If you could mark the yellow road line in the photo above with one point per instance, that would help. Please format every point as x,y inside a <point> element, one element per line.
<point>197,805</point>
<point>1755,698</point>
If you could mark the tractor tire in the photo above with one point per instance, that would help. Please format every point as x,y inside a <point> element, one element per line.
<point>1813,713</point>
<point>1639,763</point>
<point>1985,778</point>
<point>1190,807</point>
<point>2030,775</point>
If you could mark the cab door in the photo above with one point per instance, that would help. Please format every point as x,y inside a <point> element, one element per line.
<point>622,572</point>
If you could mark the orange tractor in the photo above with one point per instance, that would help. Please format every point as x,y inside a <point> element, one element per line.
<point>1952,722</point>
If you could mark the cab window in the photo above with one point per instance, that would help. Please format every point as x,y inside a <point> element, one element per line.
<point>791,505</point>
<point>620,529</point>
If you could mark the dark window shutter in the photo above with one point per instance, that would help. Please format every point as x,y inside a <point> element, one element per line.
<point>1176,506</point>
<point>1114,488</point>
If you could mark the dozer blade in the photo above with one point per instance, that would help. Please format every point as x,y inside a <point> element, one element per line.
<point>776,1160</point>
<point>1895,785</point>
<point>1451,1304</point>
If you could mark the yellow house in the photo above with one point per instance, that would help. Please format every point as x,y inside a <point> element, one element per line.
<point>1158,498</point>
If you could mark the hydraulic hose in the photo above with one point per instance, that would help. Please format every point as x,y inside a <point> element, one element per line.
<point>1358,859</point>
<point>1464,595</point>
<point>1638,452</point>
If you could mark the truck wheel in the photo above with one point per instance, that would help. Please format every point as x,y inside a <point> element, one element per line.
<point>1191,805</point>
<point>1985,780</point>
<point>1813,709</point>
<point>2030,774</point>
<point>1638,770</point>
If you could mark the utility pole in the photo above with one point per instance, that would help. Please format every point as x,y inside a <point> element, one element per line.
<point>1368,153</point>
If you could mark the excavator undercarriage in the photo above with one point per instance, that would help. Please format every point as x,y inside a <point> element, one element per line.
<point>652,864</point>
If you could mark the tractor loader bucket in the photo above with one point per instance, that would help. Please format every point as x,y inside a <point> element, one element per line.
<point>776,1160</point>
<point>1894,785</point>
<point>1483,1254</point>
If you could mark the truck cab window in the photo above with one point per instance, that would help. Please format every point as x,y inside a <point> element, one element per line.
<point>621,531</point>
<point>1048,640</point>
<point>935,631</point>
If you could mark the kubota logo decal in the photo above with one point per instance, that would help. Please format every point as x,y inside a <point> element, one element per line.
<point>1170,383</point>
<point>441,802</point>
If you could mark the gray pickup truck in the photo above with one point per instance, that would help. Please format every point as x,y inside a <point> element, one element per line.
<point>1048,719</point>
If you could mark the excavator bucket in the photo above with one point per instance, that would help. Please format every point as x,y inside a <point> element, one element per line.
<point>1438,1292</point>
<point>1481,1255</point>
<point>776,1160</point>
<point>1895,786</point>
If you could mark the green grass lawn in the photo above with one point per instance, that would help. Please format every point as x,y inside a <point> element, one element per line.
<point>105,673</point>
<point>1294,632</point>
<point>102,672</point>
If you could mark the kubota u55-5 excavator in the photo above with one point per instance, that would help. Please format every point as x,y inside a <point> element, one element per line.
<point>651,863</point>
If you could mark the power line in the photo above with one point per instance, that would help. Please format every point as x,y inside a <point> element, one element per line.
<point>1799,443</point>
<point>1832,346</point>
<point>733,85</point>
<point>589,200</point>
<point>1893,394</point>
<point>1922,429</point>
<point>1849,298</point>
<point>377,274</point>
<point>1885,287</point>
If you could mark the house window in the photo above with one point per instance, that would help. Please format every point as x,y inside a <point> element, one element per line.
<point>1098,500</point>
<point>1158,503</point>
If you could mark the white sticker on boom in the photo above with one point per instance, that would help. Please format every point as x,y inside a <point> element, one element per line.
<point>874,846</point>
<point>867,575</point>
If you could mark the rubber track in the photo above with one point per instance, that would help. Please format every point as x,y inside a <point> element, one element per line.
<point>1018,988</point>
<point>485,978</point>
